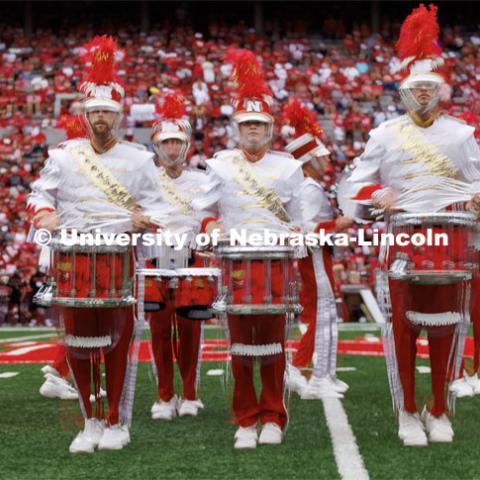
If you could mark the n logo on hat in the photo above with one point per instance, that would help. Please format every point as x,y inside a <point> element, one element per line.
<point>253,106</point>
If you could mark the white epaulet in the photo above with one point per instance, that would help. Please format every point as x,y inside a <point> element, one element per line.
<point>138,146</point>
<point>282,154</point>
<point>66,143</point>
<point>393,121</point>
<point>222,153</point>
<point>455,119</point>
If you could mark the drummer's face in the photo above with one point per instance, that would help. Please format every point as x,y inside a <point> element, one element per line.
<point>172,148</point>
<point>320,163</point>
<point>101,121</point>
<point>253,134</point>
<point>424,92</point>
<point>317,167</point>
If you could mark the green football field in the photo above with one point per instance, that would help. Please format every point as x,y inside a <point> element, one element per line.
<point>35,433</point>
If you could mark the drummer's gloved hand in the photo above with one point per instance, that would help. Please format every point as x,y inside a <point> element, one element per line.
<point>211,226</point>
<point>140,222</point>
<point>475,203</point>
<point>48,219</point>
<point>384,199</point>
<point>343,223</point>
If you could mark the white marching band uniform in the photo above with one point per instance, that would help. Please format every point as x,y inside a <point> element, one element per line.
<point>80,203</point>
<point>445,149</point>
<point>239,210</point>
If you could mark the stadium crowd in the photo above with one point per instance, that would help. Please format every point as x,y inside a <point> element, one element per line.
<point>348,78</point>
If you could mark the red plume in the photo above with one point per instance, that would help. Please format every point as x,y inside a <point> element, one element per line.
<point>172,106</point>
<point>301,118</point>
<point>247,73</point>
<point>101,54</point>
<point>419,34</point>
<point>74,126</point>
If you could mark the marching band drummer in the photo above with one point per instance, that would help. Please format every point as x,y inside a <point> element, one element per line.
<point>317,294</point>
<point>254,189</point>
<point>171,138</point>
<point>82,180</point>
<point>417,153</point>
<point>57,375</point>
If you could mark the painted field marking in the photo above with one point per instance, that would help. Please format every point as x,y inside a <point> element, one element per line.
<point>8,374</point>
<point>23,350</point>
<point>347,456</point>
<point>26,338</point>
<point>423,369</point>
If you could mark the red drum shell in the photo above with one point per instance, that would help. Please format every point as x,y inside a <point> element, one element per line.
<point>195,290</point>
<point>73,274</point>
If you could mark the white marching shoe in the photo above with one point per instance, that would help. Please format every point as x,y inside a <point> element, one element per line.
<point>165,410</point>
<point>103,393</point>
<point>411,430</point>
<point>339,385</point>
<point>188,408</point>
<point>439,429</point>
<point>246,437</point>
<point>319,388</point>
<point>88,438</point>
<point>296,382</point>
<point>271,434</point>
<point>114,437</point>
<point>474,382</point>
<point>461,388</point>
<point>49,369</point>
<point>57,387</point>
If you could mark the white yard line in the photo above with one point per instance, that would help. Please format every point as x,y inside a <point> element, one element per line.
<point>27,329</point>
<point>22,339</point>
<point>8,374</point>
<point>23,350</point>
<point>349,461</point>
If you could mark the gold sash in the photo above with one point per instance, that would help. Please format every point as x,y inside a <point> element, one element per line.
<point>101,177</point>
<point>266,197</point>
<point>428,154</point>
<point>173,195</point>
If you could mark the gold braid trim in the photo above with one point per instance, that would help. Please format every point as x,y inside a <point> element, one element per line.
<point>101,177</point>
<point>173,195</point>
<point>266,197</point>
<point>413,142</point>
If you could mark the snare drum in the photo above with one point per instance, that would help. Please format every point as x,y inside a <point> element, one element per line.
<point>257,280</point>
<point>99,276</point>
<point>195,291</point>
<point>156,284</point>
<point>433,264</point>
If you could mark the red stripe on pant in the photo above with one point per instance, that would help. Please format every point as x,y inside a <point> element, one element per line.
<point>308,299</point>
<point>96,322</point>
<point>425,299</point>
<point>162,325</point>
<point>258,330</point>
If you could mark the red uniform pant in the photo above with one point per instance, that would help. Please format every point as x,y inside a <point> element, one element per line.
<point>475,317</point>
<point>258,330</point>
<point>60,363</point>
<point>425,299</point>
<point>99,322</point>
<point>164,344</point>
